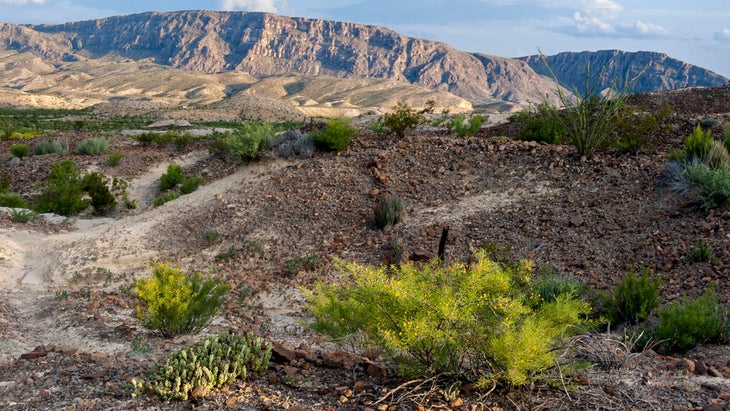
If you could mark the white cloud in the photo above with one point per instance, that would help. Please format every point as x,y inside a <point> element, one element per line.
<point>592,25</point>
<point>606,9</point>
<point>271,6</point>
<point>723,35</point>
<point>643,29</point>
<point>21,2</point>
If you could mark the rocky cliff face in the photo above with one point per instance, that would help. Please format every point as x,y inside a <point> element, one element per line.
<point>651,71</point>
<point>262,44</point>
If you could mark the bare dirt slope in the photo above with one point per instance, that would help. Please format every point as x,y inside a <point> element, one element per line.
<point>63,309</point>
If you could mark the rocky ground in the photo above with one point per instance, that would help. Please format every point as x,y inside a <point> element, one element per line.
<point>70,339</point>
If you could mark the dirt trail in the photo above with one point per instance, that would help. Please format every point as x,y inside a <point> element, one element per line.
<point>101,252</point>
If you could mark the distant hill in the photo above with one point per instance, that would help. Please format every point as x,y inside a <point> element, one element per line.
<point>653,71</point>
<point>261,45</point>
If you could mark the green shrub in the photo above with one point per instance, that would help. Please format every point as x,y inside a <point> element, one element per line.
<point>636,127</point>
<point>697,143</point>
<point>114,159</point>
<point>93,146</point>
<point>469,321</point>
<point>389,211</point>
<point>246,142</point>
<point>335,136</point>
<point>97,186</point>
<point>590,116</point>
<point>165,198</point>
<point>11,200</point>
<point>700,254</point>
<point>542,125</point>
<point>695,321</point>
<point>726,136</point>
<point>296,144</point>
<point>469,128</point>
<point>173,302</point>
<point>50,147</point>
<point>172,177</point>
<point>190,184</point>
<point>146,139</point>
<point>20,150</point>
<point>708,187</point>
<point>64,191</point>
<point>182,141</point>
<point>402,119</point>
<point>633,299</point>
<point>22,215</point>
<point>548,288</point>
<point>212,363</point>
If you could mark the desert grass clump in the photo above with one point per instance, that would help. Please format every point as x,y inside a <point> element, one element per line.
<point>165,198</point>
<point>704,185</point>
<point>682,326</point>
<point>700,254</point>
<point>174,302</point>
<point>389,211</point>
<point>464,127</point>
<point>50,147</point>
<point>20,150</point>
<point>296,144</point>
<point>697,144</point>
<point>22,215</point>
<point>467,321</point>
<point>93,146</point>
<point>114,159</point>
<point>336,135</point>
<point>212,363</point>
<point>190,184</point>
<point>633,299</point>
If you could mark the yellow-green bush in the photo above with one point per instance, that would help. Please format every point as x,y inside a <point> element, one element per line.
<point>173,302</point>
<point>212,363</point>
<point>335,136</point>
<point>472,321</point>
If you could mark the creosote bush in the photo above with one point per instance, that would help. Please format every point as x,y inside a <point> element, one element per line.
<point>246,142</point>
<point>64,191</point>
<point>93,146</point>
<point>97,186</point>
<point>633,299</point>
<point>694,321</point>
<point>540,124</point>
<point>636,126</point>
<point>402,119</point>
<point>389,211</point>
<point>20,150</point>
<point>335,136</point>
<point>172,177</point>
<point>213,362</point>
<point>173,302</point>
<point>469,321</point>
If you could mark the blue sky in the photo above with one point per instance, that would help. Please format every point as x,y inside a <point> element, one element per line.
<point>697,32</point>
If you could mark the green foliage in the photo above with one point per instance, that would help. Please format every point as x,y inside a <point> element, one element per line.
<point>716,155</point>
<point>335,136</point>
<point>172,177</point>
<point>296,144</point>
<point>173,302</point>
<point>11,200</point>
<point>471,127</point>
<point>706,186</point>
<point>50,147</point>
<point>470,321</point>
<point>299,263</point>
<point>402,119</point>
<point>548,288</point>
<point>695,321</point>
<point>20,150</point>
<point>114,159</point>
<point>22,215</point>
<point>93,146</point>
<point>700,254</point>
<point>190,184</point>
<point>697,143</point>
<point>211,236</point>
<point>211,363</point>
<point>590,116</point>
<point>246,142</point>
<point>97,186</point>
<point>389,211</point>
<point>635,127</point>
<point>64,191</point>
<point>543,124</point>
<point>726,136</point>
<point>181,141</point>
<point>165,198</point>
<point>633,299</point>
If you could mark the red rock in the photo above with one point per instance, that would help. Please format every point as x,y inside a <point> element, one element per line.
<point>282,354</point>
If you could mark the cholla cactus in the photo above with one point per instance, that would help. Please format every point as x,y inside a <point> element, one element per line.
<point>211,363</point>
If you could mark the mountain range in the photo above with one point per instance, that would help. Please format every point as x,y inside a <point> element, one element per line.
<point>225,54</point>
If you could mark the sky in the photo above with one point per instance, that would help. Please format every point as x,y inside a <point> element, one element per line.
<point>697,32</point>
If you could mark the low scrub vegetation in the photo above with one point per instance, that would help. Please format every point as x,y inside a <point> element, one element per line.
<point>20,150</point>
<point>402,119</point>
<point>173,302</point>
<point>174,183</point>
<point>93,146</point>
<point>469,321</point>
<point>633,299</point>
<point>246,143</point>
<point>335,136</point>
<point>541,124</point>
<point>64,191</point>
<point>211,363</point>
<point>50,147</point>
<point>389,211</point>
